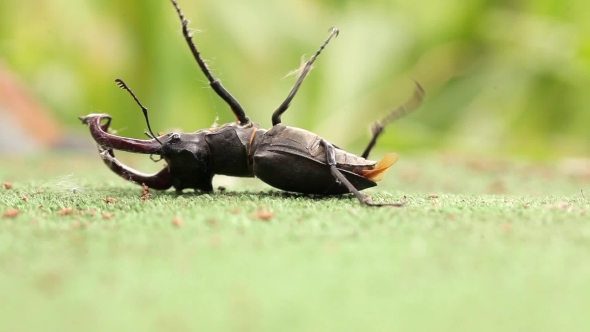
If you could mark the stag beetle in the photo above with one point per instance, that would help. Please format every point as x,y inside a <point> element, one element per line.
<point>284,157</point>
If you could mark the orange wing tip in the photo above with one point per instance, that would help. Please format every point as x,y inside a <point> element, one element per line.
<point>378,173</point>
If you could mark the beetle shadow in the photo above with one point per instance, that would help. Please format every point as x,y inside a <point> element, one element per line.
<point>132,192</point>
<point>260,194</point>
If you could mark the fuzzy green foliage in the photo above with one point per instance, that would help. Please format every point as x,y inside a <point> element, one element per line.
<point>499,76</point>
<point>252,260</point>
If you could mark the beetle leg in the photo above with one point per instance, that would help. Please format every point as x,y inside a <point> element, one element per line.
<point>214,82</point>
<point>276,116</point>
<point>160,181</point>
<point>331,159</point>
<point>406,108</point>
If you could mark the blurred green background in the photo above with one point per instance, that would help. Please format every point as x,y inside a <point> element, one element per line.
<point>502,77</point>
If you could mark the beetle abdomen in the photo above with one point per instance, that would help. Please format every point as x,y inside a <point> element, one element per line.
<point>292,171</point>
<point>294,159</point>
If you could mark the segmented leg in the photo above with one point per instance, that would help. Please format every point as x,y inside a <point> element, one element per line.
<point>213,81</point>
<point>406,108</point>
<point>160,181</point>
<point>331,160</point>
<point>276,116</point>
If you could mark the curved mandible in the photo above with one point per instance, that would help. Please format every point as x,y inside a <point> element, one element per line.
<point>110,141</point>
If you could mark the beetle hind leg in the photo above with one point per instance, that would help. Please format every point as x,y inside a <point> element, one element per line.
<point>159,181</point>
<point>404,109</point>
<point>331,160</point>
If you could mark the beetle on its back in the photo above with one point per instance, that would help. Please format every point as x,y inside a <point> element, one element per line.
<point>284,157</point>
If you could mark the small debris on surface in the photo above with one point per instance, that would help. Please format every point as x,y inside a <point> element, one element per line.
<point>177,222</point>
<point>507,227</point>
<point>235,211</point>
<point>25,199</point>
<point>88,212</point>
<point>10,213</point>
<point>221,188</point>
<point>145,193</point>
<point>111,200</point>
<point>215,241</point>
<point>76,224</point>
<point>262,214</point>
<point>497,187</point>
<point>433,196</point>
<point>213,222</point>
<point>66,211</point>
<point>560,206</point>
<point>7,185</point>
<point>107,216</point>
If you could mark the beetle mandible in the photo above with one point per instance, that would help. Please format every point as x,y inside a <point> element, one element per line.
<point>287,158</point>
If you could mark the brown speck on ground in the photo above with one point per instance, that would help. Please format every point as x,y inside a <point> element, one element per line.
<point>7,185</point>
<point>177,222</point>
<point>221,188</point>
<point>49,282</point>
<point>565,206</point>
<point>262,214</point>
<point>497,187</point>
<point>25,199</point>
<point>88,212</point>
<point>507,227</point>
<point>526,206</point>
<point>433,196</point>
<point>215,241</point>
<point>10,213</point>
<point>107,216</point>
<point>41,207</point>
<point>111,200</point>
<point>213,222</point>
<point>145,193</point>
<point>66,211</point>
<point>235,211</point>
<point>76,224</point>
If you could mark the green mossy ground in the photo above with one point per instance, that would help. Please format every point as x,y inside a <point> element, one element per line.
<point>504,247</point>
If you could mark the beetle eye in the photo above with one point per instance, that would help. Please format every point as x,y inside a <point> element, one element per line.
<point>174,138</point>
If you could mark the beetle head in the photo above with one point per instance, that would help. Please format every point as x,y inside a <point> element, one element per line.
<point>187,154</point>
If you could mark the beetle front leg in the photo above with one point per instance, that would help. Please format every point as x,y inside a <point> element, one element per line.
<point>159,181</point>
<point>331,160</point>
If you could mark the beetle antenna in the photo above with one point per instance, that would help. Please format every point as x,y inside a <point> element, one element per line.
<point>214,82</point>
<point>276,116</point>
<point>144,109</point>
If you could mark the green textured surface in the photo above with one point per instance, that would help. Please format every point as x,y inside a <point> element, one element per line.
<point>504,247</point>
